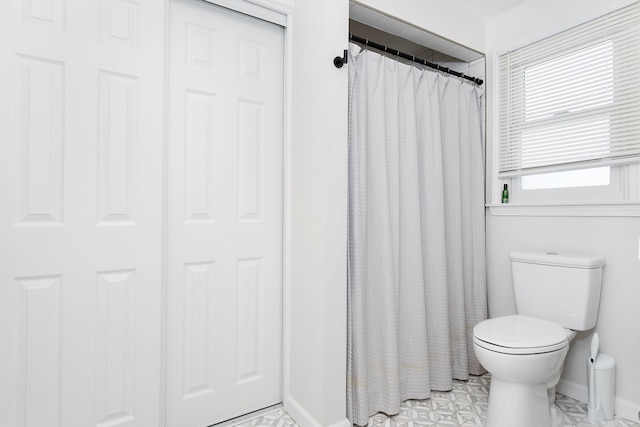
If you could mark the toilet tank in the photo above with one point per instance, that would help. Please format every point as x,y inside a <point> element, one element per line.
<point>563,288</point>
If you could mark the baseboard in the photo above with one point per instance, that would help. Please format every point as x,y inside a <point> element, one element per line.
<point>573,390</point>
<point>300,415</point>
<point>628,410</point>
<point>342,423</point>
<point>623,407</point>
<point>303,418</point>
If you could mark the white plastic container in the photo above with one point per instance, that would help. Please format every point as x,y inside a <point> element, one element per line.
<point>605,387</point>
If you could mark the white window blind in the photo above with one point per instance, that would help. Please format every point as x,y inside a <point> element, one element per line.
<point>572,100</point>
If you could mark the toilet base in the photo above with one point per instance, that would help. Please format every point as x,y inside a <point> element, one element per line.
<point>517,404</point>
<point>557,417</point>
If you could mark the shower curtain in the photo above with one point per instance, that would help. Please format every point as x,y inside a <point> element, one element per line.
<point>416,255</point>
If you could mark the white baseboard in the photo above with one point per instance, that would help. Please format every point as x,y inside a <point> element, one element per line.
<point>303,418</point>
<point>573,390</point>
<point>623,407</point>
<point>628,410</point>
<point>342,423</point>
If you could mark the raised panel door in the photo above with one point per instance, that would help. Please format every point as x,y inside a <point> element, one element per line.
<point>80,220</point>
<point>224,278</point>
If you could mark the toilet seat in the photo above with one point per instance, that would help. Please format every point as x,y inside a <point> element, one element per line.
<point>519,334</point>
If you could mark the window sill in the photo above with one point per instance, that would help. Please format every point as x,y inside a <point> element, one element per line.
<point>603,209</point>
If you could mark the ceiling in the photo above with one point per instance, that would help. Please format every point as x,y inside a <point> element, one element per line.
<point>484,9</point>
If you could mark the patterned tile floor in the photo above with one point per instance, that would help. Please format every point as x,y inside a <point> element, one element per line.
<point>464,406</point>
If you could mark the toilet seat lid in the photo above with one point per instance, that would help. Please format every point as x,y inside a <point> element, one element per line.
<point>521,334</point>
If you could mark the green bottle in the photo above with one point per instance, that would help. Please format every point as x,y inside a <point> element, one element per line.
<point>505,194</point>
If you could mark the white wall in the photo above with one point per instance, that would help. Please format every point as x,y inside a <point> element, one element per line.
<point>316,393</point>
<point>614,237</point>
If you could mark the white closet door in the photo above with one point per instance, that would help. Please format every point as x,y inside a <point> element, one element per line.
<point>225,214</point>
<point>80,193</point>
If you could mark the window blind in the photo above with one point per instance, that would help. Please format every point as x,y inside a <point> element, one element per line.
<point>572,100</point>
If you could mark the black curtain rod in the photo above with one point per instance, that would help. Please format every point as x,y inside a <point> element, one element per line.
<point>340,61</point>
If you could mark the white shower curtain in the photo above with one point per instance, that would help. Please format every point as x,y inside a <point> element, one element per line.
<point>416,280</point>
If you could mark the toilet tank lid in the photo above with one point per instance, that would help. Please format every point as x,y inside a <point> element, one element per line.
<point>559,259</point>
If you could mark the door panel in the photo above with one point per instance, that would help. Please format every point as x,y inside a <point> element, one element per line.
<point>225,214</point>
<point>80,183</point>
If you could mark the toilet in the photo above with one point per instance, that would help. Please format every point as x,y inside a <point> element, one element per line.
<point>556,295</point>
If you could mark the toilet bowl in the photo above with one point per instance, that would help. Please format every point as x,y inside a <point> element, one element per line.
<point>556,295</point>
<point>525,356</point>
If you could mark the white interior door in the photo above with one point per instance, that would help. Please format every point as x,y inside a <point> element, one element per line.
<point>224,214</point>
<point>80,217</point>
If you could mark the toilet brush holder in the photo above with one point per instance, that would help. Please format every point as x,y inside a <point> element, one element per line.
<point>602,401</point>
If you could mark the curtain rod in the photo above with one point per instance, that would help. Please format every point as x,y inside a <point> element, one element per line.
<point>338,62</point>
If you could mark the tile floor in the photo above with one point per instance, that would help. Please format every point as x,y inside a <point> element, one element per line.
<point>464,406</point>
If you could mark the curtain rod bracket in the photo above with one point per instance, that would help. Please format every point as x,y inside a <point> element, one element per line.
<point>339,62</point>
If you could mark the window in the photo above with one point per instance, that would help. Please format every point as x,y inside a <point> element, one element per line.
<point>570,109</point>
<point>592,177</point>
